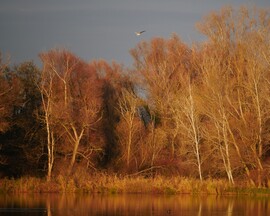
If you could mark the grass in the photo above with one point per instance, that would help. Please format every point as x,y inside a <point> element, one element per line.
<point>112,184</point>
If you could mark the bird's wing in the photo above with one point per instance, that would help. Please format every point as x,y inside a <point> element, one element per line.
<point>140,32</point>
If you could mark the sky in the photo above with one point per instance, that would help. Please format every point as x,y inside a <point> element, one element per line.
<point>99,29</point>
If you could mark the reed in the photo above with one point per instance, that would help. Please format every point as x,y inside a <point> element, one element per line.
<point>111,184</point>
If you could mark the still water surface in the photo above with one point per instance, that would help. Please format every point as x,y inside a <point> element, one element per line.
<point>130,205</point>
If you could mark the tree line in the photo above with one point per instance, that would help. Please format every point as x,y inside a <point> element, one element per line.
<point>200,110</point>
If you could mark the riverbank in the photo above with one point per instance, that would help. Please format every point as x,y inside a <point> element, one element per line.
<point>111,184</point>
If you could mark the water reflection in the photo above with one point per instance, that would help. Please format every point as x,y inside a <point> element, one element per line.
<point>71,204</point>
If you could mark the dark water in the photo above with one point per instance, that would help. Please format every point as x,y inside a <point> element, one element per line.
<point>55,204</point>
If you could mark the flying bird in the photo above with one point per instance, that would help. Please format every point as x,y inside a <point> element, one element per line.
<point>139,33</point>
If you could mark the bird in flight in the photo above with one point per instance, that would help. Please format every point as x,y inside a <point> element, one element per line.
<point>139,33</point>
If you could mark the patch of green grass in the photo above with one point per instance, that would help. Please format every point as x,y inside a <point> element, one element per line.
<point>169,191</point>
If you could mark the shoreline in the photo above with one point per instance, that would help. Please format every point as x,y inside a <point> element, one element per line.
<point>112,184</point>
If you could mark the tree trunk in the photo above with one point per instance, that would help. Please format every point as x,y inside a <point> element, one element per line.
<point>77,140</point>
<point>129,145</point>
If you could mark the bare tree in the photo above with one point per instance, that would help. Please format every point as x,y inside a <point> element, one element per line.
<point>73,100</point>
<point>46,90</point>
<point>127,107</point>
<point>161,64</point>
<point>238,38</point>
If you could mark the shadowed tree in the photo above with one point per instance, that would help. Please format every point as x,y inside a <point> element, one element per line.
<point>114,81</point>
<point>10,89</point>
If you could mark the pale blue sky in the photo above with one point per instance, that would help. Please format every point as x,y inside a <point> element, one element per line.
<point>99,29</point>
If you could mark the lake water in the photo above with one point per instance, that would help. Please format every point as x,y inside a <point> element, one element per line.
<point>148,205</point>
